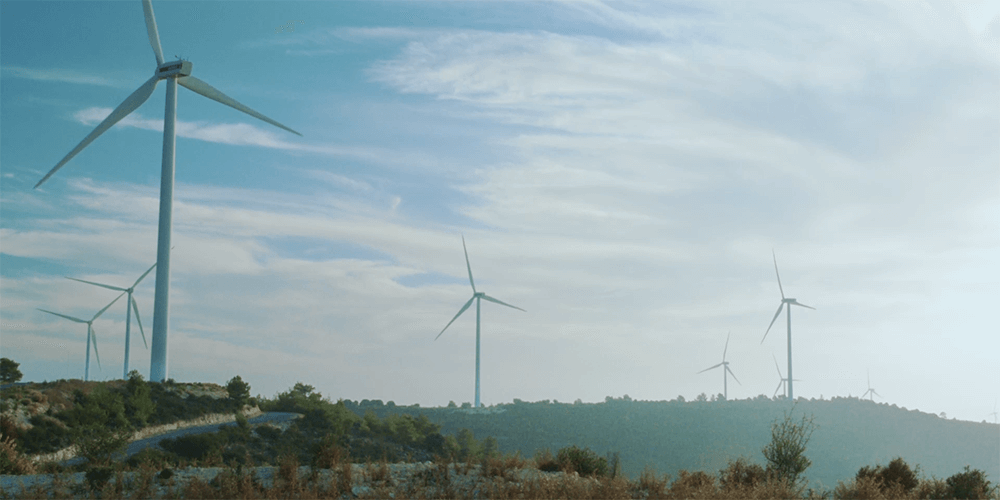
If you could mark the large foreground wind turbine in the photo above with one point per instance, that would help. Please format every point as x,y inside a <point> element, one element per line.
<point>476,296</point>
<point>130,305</point>
<point>91,334</point>
<point>725,365</point>
<point>791,302</point>
<point>174,72</point>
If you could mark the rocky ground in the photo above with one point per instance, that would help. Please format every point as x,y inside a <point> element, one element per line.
<point>415,480</point>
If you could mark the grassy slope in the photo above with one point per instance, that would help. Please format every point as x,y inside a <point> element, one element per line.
<point>671,436</point>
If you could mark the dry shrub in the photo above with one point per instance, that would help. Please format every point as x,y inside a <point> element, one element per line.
<point>546,461</point>
<point>930,489</point>
<point>12,462</point>
<point>287,483</point>
<point>378,474</point>
<point>693,485</point>
<point>650,485</point>
<point>328,454</point>
<point>866,487</point>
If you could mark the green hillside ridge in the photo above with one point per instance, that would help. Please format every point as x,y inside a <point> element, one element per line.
<point>670,436</point>
<point>639,441</point>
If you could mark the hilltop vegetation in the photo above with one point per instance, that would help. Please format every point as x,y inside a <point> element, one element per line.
<point>670,436</point>
<point>844,448</point>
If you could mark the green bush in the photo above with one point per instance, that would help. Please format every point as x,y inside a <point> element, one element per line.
<point>968,484</point>
<point>895,475</point>
<point>785,454</point>
<point>194,446</point>
<point>583,461</point>
<point>9,372</point>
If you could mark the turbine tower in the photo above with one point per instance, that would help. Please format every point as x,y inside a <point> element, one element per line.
<point>91,334</point>
<point>725,365</point>
<point>174,72</point>
<point>994,414</point>
<point>476,296</point>
<point>791,302</point>
<point>130,305</point>
<point>870,392</point>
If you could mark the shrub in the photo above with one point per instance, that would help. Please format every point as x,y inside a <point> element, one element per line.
<point>895,475</point>
<point>742,474</point>
<point>968,484</point>
<point>12,462</point>
<point>583,461</point>
<point>693,485</point>
<point>785,453</point>
<point>545,461</point>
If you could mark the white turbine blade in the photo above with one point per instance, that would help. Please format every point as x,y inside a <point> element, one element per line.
<point>109,287</point>
<point>78,320</point>
<point>135,309</point>
<point>776,366</point>
<point>460,311</point>
<point>710,368</point>
<point>734,375</point>
<point>214,94</point>
<point>467,265</point>
<point>803,305</point>
<point>99,313</point>
<point>143,274</point>
<point>154,35</point>
<point>776,389</point>
<point>491,299</point>
<point>724,351</point>
<point>127,106</point>
<point>772,321</point>
<point>93,338</point>
<point>778,275</point>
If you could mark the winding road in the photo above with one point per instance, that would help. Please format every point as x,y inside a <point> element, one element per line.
<point>141,444</point>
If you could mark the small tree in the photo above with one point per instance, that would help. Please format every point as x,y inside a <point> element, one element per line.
<point>139,405</point>
<point>239,391</point>
<point>968,484</point>
<point>9,372</point>
<point>785,454</point>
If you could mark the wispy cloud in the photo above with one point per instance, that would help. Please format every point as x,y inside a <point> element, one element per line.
<point>244,134</point>
<point>60,75</point>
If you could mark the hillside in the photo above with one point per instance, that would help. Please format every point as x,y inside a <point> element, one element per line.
<point>674,435</point>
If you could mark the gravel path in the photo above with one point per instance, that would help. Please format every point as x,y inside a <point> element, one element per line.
<point>137,446</point>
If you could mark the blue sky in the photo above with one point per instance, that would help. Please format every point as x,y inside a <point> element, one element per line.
<point>620,170</point>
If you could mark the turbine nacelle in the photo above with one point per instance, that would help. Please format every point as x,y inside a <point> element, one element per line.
<point>168,69</point>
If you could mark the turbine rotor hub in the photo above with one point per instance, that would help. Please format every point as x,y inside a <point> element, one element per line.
<point>178,67</point>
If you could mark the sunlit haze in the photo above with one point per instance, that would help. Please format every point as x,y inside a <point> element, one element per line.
<point>621,170</point>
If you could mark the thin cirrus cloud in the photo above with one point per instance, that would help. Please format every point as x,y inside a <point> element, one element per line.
<point>61,75</point>
<point>244,134</point>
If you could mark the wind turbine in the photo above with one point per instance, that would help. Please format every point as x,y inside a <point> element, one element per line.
<point>476,296</point>
<point>994,414</point>
<point>870,392</point>
<point>790,303</point>
<point>781,385</point>
<point>91,334</point>
<point>725,365</point>
<point>174,72</point>
<point>130,305</point>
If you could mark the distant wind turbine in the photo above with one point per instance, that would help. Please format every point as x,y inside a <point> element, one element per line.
<point>994,414</point>
<point>790,303</point>
<point>91,334</point>
<point>725,365</point>
<point>174,72</point>
<point>130,305</point>
<point>781,385</point>
<point>870,392</point>
<point>476,296</point>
